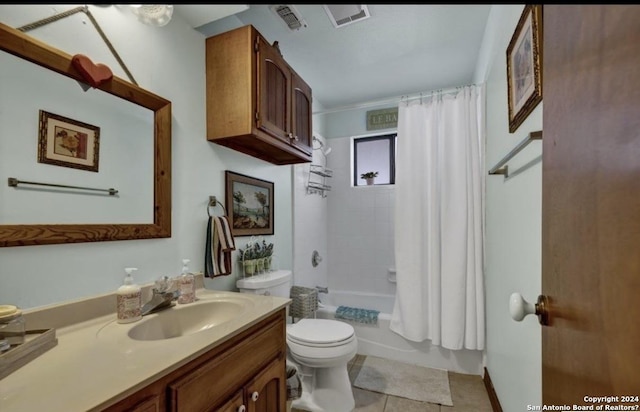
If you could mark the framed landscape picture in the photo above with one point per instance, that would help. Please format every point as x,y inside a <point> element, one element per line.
<point>524,66</point>
<point>67,142</point>
<point>249,202</point>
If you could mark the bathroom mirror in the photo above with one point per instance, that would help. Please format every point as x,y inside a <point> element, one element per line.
<point>154,111</point>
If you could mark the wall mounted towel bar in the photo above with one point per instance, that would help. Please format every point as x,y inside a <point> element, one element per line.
<point>13,182</point>
<point>498,169</point>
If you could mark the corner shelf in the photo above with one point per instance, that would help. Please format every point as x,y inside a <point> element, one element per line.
<point>319,185</point>
<point>320,170</point>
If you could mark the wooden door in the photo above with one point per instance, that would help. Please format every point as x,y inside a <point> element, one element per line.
<point>591,203</point>
<point>274,92</point>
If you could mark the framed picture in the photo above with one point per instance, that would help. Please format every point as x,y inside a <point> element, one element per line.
<point>249,203</point>
<point>67,142</point>
<point>524,66</point>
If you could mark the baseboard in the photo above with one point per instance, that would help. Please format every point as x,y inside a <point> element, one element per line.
<point>493,397</point>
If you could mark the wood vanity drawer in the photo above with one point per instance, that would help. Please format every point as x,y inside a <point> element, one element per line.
<point>216,380</point>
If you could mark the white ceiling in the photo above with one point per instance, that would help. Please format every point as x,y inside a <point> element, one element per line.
<point>399,50</point>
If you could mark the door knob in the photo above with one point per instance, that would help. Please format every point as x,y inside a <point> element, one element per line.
<point>519,308</point>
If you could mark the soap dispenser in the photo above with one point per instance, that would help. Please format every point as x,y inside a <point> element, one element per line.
<point>187,284</point>
<point>129,299</point>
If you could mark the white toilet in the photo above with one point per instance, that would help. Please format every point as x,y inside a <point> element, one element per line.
<point>319,348</point>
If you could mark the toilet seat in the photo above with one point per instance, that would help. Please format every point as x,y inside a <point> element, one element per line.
<point>320,333</point>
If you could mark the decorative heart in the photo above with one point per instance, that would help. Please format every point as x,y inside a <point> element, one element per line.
<point>94,74</point>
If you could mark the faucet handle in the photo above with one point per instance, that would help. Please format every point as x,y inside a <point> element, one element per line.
<point>162,284</point>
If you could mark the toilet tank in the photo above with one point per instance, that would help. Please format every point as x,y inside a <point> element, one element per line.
<point>276,283</point>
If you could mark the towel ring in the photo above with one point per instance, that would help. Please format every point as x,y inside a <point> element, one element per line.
<point>213,202</point>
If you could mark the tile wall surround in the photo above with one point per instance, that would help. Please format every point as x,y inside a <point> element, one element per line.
<point>310,222</point>
<point>360,228</point>
<point>351,228</point>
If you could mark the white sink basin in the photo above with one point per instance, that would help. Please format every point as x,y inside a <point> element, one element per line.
<point>182,320</point>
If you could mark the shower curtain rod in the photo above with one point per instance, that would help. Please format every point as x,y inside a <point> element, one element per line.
<point>396,100</point>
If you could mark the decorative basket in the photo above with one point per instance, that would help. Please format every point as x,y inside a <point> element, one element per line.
<point>304,301</point>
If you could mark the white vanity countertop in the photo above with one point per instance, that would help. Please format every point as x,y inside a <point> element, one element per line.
<point>95,363</point>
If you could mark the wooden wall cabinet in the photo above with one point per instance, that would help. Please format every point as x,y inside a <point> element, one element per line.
<point>248,370</point>
<point>256,103</point>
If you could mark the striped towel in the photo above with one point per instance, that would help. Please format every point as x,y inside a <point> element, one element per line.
<point>359,315</point>
<point>219,245</point>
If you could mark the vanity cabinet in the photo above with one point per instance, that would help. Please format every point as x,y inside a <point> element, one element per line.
<point>247,370</point>
<point>256,103</point>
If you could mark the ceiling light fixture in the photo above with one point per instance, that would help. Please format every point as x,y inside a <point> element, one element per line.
<point>153,14</point>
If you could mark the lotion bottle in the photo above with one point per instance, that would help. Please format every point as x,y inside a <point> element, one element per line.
<point>129,299</point>
<point>186,284</point>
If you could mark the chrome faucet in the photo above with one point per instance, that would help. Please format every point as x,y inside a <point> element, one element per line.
<point>162,297</point>
<point>322,289</point>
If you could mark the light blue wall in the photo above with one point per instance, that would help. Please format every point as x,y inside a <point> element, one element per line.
<point>513,229</point>
<point>351,122</point>
<point>168,61</point>
<point>513,220</point>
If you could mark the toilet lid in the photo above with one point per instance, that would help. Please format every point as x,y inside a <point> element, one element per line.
<point>319,331</point>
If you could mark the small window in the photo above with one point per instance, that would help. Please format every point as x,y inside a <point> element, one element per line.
<point>375,154</point>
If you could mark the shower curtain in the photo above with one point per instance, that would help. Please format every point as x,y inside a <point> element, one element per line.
<point>439,220</point>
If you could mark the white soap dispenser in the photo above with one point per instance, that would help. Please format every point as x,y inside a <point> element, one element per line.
<point>187,284</point>
<point>129,299</point>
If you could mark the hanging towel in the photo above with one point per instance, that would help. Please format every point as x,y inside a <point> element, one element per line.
<point>359,315</point>
<point>219,245</point>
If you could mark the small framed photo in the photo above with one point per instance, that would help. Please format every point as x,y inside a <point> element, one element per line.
<point>524,66</point>
<point>67,142</point>
<point>249,202</point>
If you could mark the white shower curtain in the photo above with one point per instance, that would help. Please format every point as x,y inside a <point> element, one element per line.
<point>439,220</point>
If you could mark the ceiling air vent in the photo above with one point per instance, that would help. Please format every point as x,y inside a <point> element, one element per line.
<point>344,14</point>
<point>290,15</point>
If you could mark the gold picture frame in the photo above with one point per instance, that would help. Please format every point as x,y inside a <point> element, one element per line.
<point>67,142</point>
<point>524,66</point>
<point>249,203</point>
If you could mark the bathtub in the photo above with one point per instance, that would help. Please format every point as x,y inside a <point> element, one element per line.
<point>378,340</point>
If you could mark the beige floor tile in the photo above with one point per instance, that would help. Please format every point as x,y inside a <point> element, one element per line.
<point>356,365</point>
<point>468,394</point>
<point>367,401</point>
<point>397,404</point>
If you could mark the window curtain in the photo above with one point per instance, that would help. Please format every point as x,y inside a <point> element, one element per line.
<point>439,220</point>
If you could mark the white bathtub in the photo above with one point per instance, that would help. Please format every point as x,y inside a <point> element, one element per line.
<point>379,340</point>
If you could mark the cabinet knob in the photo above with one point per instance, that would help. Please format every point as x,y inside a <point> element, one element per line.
<point>242,408</point>
<point>295,138</point>
<point>255,396</point>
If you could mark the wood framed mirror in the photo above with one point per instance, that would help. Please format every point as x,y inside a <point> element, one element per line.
<point>28,48</point>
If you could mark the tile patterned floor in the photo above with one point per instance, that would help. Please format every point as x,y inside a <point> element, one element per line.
<point>467,392</point>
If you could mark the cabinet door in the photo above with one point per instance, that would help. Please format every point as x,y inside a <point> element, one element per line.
<point>235,404</point>
<point>151,404</point>
<point>274,92</point>
<point>267,391</point>
<point>301,117</point>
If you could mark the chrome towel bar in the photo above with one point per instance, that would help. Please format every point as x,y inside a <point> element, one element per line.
<point>13,182</point>
<point>498,169</point>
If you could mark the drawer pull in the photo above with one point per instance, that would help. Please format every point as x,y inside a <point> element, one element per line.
<point>255,396</point>
<point>242,408</point>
